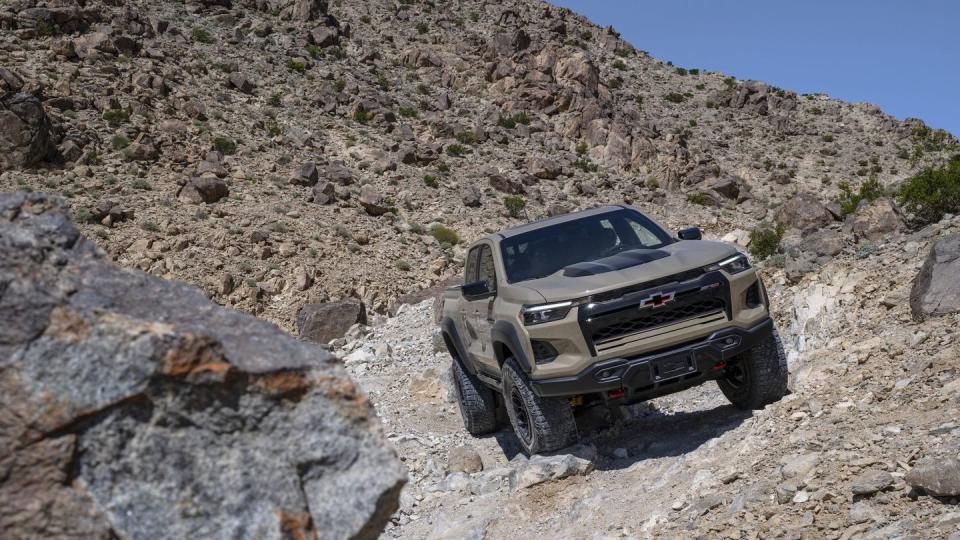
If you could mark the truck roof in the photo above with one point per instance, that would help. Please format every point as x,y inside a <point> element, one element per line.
<point>527,227</point>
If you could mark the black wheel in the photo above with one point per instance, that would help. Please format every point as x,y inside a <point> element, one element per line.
<point>478,405</point>
<point>758,377</point>
<point>541,424</point>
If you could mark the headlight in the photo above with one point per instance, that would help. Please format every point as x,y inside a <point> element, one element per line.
<point>531,315</point>
<point>733,265</point>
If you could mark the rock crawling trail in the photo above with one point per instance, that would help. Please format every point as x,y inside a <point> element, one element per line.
<point>828,461</point>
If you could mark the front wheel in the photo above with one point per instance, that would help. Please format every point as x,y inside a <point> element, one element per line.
<point>541,424</point>
<point>758,377</point>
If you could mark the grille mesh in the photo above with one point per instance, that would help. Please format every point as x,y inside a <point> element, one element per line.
<point>657,317</point>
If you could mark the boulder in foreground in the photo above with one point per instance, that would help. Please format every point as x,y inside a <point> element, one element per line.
<point>134,407</point>
<point>936,290</point>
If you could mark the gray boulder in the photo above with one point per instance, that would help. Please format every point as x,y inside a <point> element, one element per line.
<point>203,190</point>
<point>134,407</point>
<point>872,221</point>
<point>323,322</point>
<point>936,290</point>
<point>938,477</point>
<point>25,132</point>
<point>804,211</point>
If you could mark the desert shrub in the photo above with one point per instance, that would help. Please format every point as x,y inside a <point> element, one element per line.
<point>361,116</point>
<point>455,150</point>
<point>730,82</point>
<point>225,146</point>
<point>699,198</point>
<point>826,137</point>
<point>849,199</point>
<point>582,148</point>
<point>511,122</point>
<point>296,65</point>
<point>424,89</point>
<point>422,28</point>
<point>467,137</point>
<point>681,71</point>
<point>931,193</point>
<point>403,265</point>
<point>619,64</point>
<point>585,165</point>
<point>408,112</point>
<point>149,226</point>
<point>314,51</point>
<point>141,184</point>
<point>116,116</point>
<point>675,97</point>
<point>203,36</point>
<point>274,100</point>
<point>694,71</point>
<point>430,180</point>
<point>765,240</point>
<point>445,235</point>
<point>339,85</point>
<point>615,83</point>
<point>515,205</point>
<point>119,142</point>
<point>83,215</point>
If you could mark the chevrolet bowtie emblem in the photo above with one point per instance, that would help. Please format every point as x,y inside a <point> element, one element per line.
<point>656,300</point>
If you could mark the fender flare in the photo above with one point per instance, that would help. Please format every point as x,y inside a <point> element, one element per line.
<point>506,334</point>
<point>449,330</point>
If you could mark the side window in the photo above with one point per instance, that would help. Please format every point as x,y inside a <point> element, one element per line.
<point>470,273</point>
<point>487,271</point>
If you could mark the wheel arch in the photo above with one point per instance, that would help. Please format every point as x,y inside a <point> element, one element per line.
<point>507,344</point>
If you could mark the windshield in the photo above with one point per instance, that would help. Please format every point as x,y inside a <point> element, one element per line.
<point>545,251</point>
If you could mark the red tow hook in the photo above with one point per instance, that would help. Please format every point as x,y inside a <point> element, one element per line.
<point>720,365</point>
<point>614,394</point>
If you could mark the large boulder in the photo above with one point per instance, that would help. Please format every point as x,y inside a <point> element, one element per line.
<point>323,322</point>
<point>804,211</point>
<point>872,221</point>
<point>936,290</point>
<point>25,132</point>
<point>203,190</point>
<point>134,407</point>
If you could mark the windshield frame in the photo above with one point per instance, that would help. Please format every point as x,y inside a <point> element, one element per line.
<point>511,241</point>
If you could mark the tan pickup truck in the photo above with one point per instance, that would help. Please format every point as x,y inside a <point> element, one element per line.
<point>603,307</point>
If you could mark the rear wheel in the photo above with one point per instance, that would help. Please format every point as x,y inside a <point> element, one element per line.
<point>541,424</point>
<point>478,405</point>
<point>759,377</point>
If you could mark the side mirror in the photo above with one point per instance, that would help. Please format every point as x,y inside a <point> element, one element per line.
<point>690,233</point>
<point>474,290</point>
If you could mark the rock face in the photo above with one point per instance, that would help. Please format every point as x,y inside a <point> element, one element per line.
<point>875,220</point>
<point>936,291</point>
<point>25,132</point>
<point>134,407</point>
<point>323,322</point>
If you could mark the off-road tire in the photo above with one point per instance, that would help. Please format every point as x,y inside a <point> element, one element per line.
<point>542,424</point>
<point>759,377</point>
<point>478,404</point>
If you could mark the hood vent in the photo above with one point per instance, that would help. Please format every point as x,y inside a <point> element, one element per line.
<point>626,259</point>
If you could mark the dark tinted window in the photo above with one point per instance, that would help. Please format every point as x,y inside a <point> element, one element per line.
<point>486,269</point>
<point>545,251</point>
<point>470,273</point>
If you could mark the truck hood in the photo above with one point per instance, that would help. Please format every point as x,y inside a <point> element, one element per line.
<point>679,257</point>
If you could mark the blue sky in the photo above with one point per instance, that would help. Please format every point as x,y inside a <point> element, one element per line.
<point>901,55</point>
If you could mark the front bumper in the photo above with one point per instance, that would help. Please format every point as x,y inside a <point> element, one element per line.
<point>665,372</point>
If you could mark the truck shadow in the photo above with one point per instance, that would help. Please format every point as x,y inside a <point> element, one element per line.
<point>654,434</point>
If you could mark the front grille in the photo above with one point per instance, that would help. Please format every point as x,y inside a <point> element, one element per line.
<point>655,317</point>
<point>624,291</point>
<point>692,298</point>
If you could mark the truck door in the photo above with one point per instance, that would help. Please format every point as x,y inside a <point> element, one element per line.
<point>465,326</point>
<point>480,310</point>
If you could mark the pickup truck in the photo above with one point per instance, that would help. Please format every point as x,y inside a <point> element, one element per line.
<point>603,307</point>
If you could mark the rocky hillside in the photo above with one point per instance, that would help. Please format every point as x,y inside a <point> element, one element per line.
<point>133,407</point>
<point>280,151</point>
<point>284,154</point>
